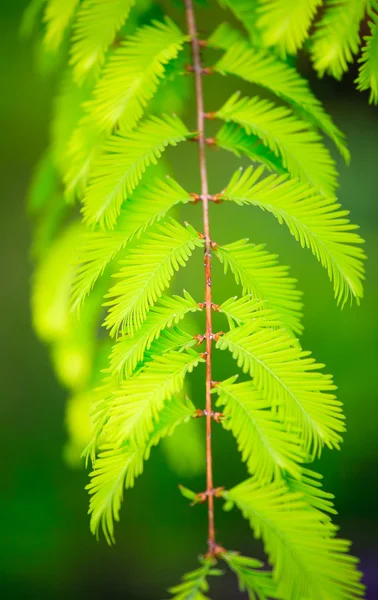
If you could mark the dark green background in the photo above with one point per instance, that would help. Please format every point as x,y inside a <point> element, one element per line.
<point>46,548</point>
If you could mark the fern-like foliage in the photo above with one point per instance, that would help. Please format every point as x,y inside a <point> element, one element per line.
<point>117,467</point>
<point>308,560</point>
<point>143,278</point>
<point>194,584</point>
<point>106,249</point>
<point>285,25</point>
<point>94,30</point>
<point>299,148</point>
<point>336,39</point>
<point>291,380</point>
<point>314,220</point>
<point>265,445</point>
<point>257,583</point>
<point>124,160</point>
<point>148,204</point>
<point>260,275</point>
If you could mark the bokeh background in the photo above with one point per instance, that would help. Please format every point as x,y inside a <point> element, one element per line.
<point>46,549</point>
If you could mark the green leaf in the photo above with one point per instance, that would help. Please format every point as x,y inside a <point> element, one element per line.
<point>116,468</point>
<point>195,583</point>
<point>286,24</point>
<point>30,17</point>
<point>118,170</point>
<point>136,402</point>
<point>132,74</point>
<point>235,139</point>
<point>169,339</point>
<point>95,28</point>
<point>189,495</point>
<point>368,73</point>
<point>264,69</point>
<point>245,11</point>
<point>336,39</point>
<point>246,309</point>
<point>224,36</point>
<point>58,15</point>
<point>289,380</point>
<point>252,579</point>
<point>146,272</point>
<point>266,446</point>
<point>260,276</point>
<point>309,487</point>
<point>308,561</point>
<point>314,220</point>
<point>300,148</point>
<point>129,350</point>
<point>148,204</point>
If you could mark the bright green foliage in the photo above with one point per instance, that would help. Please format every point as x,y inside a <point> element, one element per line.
<point>144,276</point>
<point>130,349</point>
<point>265,445</point>
<point>314,220</point>
<point>132,74</point>
<point>337,39</point>
<point>117,467</point>
<point>58,15</point>
<point>148,204</point>
<point>122,164</point>
<point>308,561</point>
<point>245,309</point>
<point>195,582</point>
<point>245,11</point>
<point>299,147</point>
<point>106,250</point>
<point>286,25</point>
<point>94,30</point>
<point>291,380</point>
<point>264,69</point>
<point>260,275</point>
<point>257,583</point>
<point>236,140</point>
<point>368,75</point>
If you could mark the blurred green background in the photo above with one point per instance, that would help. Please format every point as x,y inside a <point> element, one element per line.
<point>46,548</point>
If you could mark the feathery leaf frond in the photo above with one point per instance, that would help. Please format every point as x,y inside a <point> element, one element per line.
<point>224,36</point>
<point>301,149</point>
<point>129,350</point>
<point>195,583</point>
<point>116,468</point>
<point>309,486</point>
<point>58,15</point>
<point>245,309</point>
<point>252,579</point>
<point>169,339</point>
<point>245,11</point>
<point>286,24</point>
<point>266,446</point>
<point>95,27</point>
<point>146,271</point>
<point>260,275</point>
<point>132,74</point>
<point>136,403</point>
<point>336,39</point>
<point>119,169</point>
<point>314,220</point>
<point>235,139</point>
<point>148,204</point>
<point>308,560</point>
<point>264,69</point>
<point>291,380</point>
<point>368,73</point>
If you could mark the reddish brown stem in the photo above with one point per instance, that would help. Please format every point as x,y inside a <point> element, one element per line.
<point>198,72</point>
